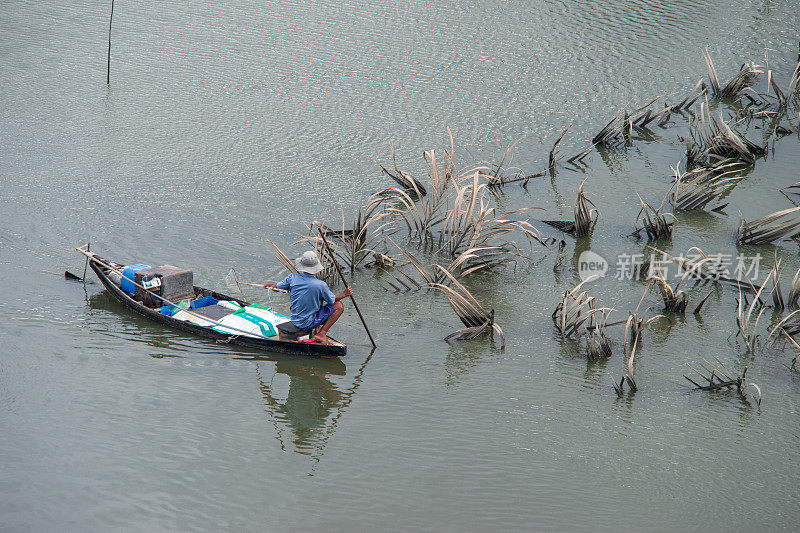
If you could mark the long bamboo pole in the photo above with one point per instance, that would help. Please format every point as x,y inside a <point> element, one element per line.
<point>108,68</point>
<point>339,270</point>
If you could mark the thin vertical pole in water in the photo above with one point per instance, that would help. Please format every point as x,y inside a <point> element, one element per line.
<point>108,69</point>
<point>88,246</point>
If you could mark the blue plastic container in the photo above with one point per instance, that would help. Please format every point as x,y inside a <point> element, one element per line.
<point>203,302</point>
<point>130,273</point>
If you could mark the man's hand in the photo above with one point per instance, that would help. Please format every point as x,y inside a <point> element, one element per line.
<point>345,293</point>
<point>270,285</point>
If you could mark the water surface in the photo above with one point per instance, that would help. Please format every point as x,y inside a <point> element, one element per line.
<point>224,125</point>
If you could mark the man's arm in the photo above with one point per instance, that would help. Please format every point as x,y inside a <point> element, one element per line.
<point>283,284</point>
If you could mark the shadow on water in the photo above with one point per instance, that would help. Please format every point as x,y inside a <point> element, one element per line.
<point>310,406</point>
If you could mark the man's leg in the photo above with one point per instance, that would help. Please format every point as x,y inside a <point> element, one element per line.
<point>322,331</point>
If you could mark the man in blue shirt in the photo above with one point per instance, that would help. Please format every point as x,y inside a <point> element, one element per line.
<point>311,302</point>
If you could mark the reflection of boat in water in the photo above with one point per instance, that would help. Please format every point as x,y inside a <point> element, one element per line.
<point>311,405</point>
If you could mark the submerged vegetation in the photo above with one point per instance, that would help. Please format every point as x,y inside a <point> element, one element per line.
<point>436,234</point>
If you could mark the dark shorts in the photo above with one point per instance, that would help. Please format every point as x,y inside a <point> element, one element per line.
<point>322,315</point>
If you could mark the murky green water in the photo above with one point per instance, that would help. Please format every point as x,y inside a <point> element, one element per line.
<point>226,125</point>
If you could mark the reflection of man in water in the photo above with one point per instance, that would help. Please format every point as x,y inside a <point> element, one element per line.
<point>308,404</point>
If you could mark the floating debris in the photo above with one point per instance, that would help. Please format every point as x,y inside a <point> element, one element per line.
<point>383,261</point>
<point>585,218</point>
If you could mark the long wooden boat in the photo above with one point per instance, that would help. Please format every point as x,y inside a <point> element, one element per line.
<point>103,267</point>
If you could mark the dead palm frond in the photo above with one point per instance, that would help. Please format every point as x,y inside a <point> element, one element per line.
<point>691,98</point>
<point>778,303</point>
<point>674,298</point>
<point>793,297</point>
<point>655,222</point>
<point>778,225</point>
<point>427,274</point>
<point>796,347</point>
<point>354,246</point>
<point>472,222</point>
<point>496,176</point>
<point>711,142</point>
<point>561,255</point>
<point>792,92</point>
<point>695,189</point>
<point>585,217</point>
<point>718,378</point>
<point>575,309</point>
<point>745,78</point>
<point>468,262</point>
<point>748,315</point>
<point>404,179</point>
<point>697,265</point>
<point>611,134</point>
<point>598,346</point>
<point>476,319</point>
<point>633,330</point>
<point>790,325</point>
<point>554,151</point>
<point>618,130</point>
<point>421,213</point>
<point>419,219</point>
<point>567,226</point>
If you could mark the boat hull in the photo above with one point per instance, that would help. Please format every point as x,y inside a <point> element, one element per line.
<point>267,345</point>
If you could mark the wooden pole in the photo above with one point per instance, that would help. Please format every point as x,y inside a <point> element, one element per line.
<point>88,248</point>
<point>262,286</point>
<point>108,68</point>
<point>339,270</point>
